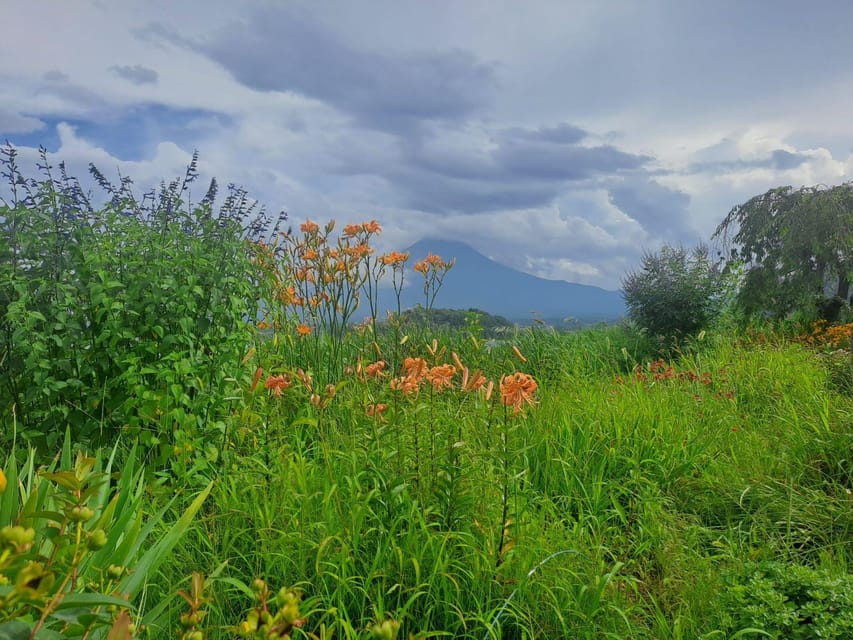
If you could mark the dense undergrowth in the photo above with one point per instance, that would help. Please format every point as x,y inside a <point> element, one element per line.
<point>307,478</point>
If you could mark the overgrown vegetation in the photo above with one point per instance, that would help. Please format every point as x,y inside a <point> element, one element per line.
<point>393,479</point>
<point>676,293</point>
<point>794,246</point>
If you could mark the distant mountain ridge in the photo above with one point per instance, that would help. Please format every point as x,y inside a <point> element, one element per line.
<point>479,282</point>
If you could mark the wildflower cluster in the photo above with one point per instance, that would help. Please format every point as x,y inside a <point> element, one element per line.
<point>416,374</point>
<point>324,279</point>
<point>660,371</point>
<point>823,335</point>
<point>434,269</point>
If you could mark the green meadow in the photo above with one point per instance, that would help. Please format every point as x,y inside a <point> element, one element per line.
<point>198,442</point>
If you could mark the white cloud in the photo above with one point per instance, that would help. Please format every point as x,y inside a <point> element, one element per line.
<point>707,99</point>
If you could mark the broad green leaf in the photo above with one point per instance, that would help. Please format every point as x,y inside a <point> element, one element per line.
<point>155,555</point>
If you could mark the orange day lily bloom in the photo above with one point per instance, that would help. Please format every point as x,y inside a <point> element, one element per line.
<point>441,376</point>
<point>394,258</point>
<point>303,329</point>
<point>375,370</point>
<point>309,227</point>
<point>517,391</point>
<point>407,384</point>
<point>376,409</point>
<point>415,367</point>
<point>277,384</point>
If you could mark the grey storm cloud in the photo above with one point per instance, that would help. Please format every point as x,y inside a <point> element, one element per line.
<point>522,169</point>
<point>661,211</point>
<point>563,133</point>
<point>11,122</point>
<point>137,74</point>
<point>58,83</point>
<point>779,159</point>
<point>564,162</point>
<point>280,50</point>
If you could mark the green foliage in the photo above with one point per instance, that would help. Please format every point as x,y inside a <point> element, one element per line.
<point>676,293</point>
<point>794,243</point>
<point>403,483</point>
<point>478,323</point>
<point>75,548</point>
<point>128,318</point>
<point>789,601</point>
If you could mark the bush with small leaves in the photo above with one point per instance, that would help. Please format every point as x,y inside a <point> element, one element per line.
<point>676,293</point>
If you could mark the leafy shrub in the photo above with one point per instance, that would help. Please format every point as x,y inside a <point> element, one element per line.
<point>789,601</point>
<point>676,293</point>
<point>131,316</point>
<point>75,550</point>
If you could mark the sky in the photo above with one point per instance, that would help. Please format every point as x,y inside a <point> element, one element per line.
<point>563,139</point>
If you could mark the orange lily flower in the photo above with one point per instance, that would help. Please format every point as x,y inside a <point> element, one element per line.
<point>517,391</point>
<point>277,384</point>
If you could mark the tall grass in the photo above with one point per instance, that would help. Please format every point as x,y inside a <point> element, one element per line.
<point>401,481</point>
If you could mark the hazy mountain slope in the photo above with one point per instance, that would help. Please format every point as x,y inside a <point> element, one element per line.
<point>476,281</point>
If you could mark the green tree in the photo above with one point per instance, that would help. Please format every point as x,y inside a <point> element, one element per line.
<point>677,292</point>
<point>795,245</point>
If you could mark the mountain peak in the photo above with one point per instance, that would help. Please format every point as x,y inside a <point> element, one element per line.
<point>479,282</point>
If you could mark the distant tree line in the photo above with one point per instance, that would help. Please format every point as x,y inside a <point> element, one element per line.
<point>486,324</point>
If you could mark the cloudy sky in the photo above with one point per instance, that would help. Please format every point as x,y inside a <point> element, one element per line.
<point>560,138</point>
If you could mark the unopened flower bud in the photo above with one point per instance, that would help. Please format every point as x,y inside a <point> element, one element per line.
<point>20,537</point>
<point>97,540</point>
<point>115,571</point>
<point>79,514</point>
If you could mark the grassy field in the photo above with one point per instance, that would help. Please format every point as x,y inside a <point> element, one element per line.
<point>629,497</point>
<point>296,476</point>
<point>632,498</point>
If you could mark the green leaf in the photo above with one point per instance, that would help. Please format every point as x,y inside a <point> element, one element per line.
<point>155,555</point>
<point>14,630</point>
<point>67,479</point>
<point>91,600</point>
